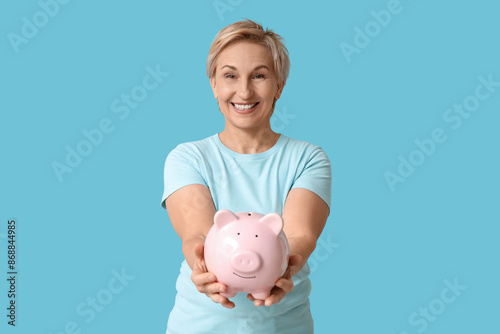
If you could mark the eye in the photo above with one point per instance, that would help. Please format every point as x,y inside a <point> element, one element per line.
<point>229,76</point>
<point>238,233</point>
<point>256,235</point>
<point>260,76</point>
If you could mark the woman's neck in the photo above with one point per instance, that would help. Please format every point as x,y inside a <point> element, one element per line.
<point>249,142</point>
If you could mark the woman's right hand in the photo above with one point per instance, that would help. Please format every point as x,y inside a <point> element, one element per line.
<point>205,281</point>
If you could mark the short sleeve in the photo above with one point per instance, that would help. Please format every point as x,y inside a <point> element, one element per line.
<point>181,169</point>
<point>316,175</point>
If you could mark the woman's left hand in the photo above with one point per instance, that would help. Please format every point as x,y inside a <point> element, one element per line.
<point>283,285</point>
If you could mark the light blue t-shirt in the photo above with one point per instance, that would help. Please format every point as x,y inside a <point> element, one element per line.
<point>245,182</point>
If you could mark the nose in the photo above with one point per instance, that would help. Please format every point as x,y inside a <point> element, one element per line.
<point>244,89</point>
<point>246,261</point>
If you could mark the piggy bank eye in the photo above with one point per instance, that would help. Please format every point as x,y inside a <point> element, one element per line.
<point>256,235</point>
<point>238,233</point>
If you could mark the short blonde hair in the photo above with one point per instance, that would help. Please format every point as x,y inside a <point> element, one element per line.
<point>253,32</point>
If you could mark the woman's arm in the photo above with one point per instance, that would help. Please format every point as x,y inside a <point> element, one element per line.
<point>305,215</point>
<point>191,211</point>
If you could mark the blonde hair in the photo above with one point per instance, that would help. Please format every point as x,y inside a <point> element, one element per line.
<point>250,31</point>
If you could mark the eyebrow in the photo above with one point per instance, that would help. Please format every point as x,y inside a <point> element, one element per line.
<point>256,68</point>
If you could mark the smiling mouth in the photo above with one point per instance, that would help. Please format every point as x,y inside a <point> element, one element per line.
<point>243,276</point>
<point>245,106</point>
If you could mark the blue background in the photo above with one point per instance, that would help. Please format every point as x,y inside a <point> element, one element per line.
<point>384,254</point>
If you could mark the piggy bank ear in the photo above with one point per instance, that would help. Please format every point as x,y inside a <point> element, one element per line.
<point>274,222</point>
<point>224,217</point>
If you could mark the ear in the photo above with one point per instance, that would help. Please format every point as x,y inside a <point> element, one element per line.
<point>214,86</point>
<point>224,217</point>
<point>274,222</point>
<point>279,89</point>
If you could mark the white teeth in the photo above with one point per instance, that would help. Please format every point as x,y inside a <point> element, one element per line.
<point>244,106</point>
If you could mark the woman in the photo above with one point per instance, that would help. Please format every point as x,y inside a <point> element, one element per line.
<point>246,167</point>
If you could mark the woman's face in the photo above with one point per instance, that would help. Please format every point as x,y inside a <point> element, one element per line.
<point>245,85</point>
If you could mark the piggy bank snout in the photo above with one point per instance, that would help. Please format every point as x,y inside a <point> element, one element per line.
<point>246,261</point>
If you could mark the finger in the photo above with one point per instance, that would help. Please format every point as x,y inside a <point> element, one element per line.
<point>218,298</point>
<point>258,302</point>
<point>226,302</point>
<point>201,278</point>
<point>211,288</point>
<point>214,288</point>
<point>276,296</point>
<point>285,284</point>
<point>271,300</point>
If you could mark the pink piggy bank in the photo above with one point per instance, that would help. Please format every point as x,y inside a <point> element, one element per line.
<point>247,251</point>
